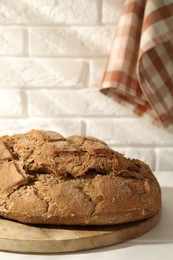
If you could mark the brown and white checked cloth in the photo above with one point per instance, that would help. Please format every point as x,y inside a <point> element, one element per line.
<point>139,70</point>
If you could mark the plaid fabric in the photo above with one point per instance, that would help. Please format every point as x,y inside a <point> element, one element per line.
<point>139,70</point>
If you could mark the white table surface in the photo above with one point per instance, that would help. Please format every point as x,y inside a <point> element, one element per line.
<point>155,244</point>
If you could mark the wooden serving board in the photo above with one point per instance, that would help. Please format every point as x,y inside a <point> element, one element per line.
<point>18,237</point>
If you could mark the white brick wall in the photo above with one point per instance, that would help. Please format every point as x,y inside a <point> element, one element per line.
<point>42,72</point>
<point>11,41</point>
<point>31,12</point>
<point>11,103</point>
<point>84,41</point>
<point>52,58</point>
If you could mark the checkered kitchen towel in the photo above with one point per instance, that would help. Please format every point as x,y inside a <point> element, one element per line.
<point>139,70</point>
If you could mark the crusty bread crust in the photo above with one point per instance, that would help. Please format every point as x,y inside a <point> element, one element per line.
<point>48,179</point>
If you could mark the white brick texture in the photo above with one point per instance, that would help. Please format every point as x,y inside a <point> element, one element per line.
<point>33,12</point>
<point>65,127</point>
<point>11,41</point>
<point>97,67</point>
<point>42,72</point>
<point>53,55</point>
<point>11,103</point>
<point>165,159</point>
<point>111,10</point>
<point>77,102</point>
<point>71,41</point>
<point>128,131</point>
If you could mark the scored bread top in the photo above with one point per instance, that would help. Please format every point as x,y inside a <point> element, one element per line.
<point>34,164</point>
<point>49,152</point>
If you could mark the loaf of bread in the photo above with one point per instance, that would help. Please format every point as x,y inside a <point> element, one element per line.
<point>48,179</point>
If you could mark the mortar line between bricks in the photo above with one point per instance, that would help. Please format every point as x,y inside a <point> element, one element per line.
<point>58,88</point>
<point>68,117</point>
<point>154,157</point>
<point>25,43</point>
<point>162,172</point>
<point>47,88</point>
<point>53,57</point>
<point>83,128</point>
<point>157,161</point>
<point>99,7</point>
<point>138,146</point>
<point>129,147</point>
<point>22,25</point>
<point>88,116</point>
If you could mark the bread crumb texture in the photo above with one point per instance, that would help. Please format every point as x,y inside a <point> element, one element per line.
<point>48,179</point>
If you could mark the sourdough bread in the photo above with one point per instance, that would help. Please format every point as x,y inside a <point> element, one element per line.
<point>48,179</point>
